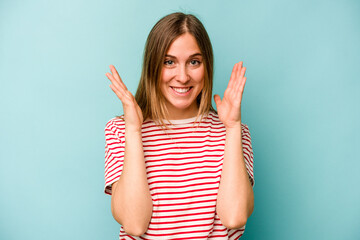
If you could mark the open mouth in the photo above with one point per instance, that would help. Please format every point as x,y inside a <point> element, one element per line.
<point>181,90</point>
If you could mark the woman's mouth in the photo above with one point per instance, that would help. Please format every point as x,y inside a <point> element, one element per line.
<point>181,90</point>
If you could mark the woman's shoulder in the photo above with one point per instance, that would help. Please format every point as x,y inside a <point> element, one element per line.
<point>214,117</point>
<point>244,126</point>
<point>117,122</point>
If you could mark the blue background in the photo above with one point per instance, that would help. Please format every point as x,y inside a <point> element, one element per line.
<point>301,103</point>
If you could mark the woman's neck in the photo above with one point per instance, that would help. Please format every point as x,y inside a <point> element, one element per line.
<point>177,114</point>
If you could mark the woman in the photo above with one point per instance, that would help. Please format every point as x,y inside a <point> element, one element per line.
<point>165,156</point>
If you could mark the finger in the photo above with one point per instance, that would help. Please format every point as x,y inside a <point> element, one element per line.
<point>124,95</point>
<point>233,76</point>
<point>114,81</point>
<point>217,100</point>
<point>239,69</point>
<point>119,92</point>
<point>118,84</point>
<point>237,85</point>
<point>238,72</point>
<point>117,76</point>
<point>243,85</point>
<point>240,78</point>
<point>241,89</point>
<point>242,73</point>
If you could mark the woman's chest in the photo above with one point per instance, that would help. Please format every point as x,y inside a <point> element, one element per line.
<point>184,166</point>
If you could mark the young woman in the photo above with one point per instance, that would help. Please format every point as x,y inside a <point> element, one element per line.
<point>176,168</point>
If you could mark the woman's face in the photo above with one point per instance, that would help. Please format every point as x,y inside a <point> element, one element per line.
<point>182,77</point>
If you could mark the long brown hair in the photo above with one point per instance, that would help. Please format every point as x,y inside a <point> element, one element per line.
<point>148,95</point>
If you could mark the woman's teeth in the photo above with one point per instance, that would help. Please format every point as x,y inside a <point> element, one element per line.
<point>181,90</point>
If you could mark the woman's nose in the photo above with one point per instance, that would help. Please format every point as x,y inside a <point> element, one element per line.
<point>182,74</point>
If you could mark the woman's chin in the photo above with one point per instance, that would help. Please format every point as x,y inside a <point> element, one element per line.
<point>182,109</point>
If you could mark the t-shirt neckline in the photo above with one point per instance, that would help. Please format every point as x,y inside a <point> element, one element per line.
<point>181,121</point>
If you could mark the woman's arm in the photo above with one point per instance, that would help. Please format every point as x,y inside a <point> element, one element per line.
<point>131,203</point>
<point>235,201</point>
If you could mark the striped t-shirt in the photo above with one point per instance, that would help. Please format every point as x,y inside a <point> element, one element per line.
<point>183,168</point>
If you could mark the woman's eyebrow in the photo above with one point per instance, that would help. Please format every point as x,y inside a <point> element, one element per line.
<point>191,56</point>
<point>196,54</point>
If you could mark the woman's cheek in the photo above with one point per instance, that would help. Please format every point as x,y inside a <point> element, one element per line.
<point>166,75</point>
<point>200,74</point>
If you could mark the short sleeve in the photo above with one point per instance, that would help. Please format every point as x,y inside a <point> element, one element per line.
<point>248,152</point>
<point>114,151</point>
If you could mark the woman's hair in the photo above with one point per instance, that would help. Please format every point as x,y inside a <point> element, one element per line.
<point>148,95</point>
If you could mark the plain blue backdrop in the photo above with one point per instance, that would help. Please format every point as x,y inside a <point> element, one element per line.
<point>301,103</point>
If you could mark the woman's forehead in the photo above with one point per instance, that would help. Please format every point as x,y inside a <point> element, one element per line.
<point>184,45</point>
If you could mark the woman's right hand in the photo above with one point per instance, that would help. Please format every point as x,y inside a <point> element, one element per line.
<point>132,112</point>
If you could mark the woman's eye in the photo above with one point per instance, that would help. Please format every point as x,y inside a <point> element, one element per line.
<point>194,62</point>
<point>168,62</point>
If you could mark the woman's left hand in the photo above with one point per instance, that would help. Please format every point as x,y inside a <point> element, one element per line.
<point>229,108</point>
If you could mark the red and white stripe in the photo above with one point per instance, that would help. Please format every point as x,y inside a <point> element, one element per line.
<point>183,167</point>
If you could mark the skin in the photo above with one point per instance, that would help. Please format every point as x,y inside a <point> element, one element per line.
<point>235,200</point>
<point>183,67</point>
<point>131,201</point>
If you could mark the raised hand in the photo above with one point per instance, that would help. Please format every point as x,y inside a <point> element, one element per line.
<point>229,108</point>
<point>132,112</point>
